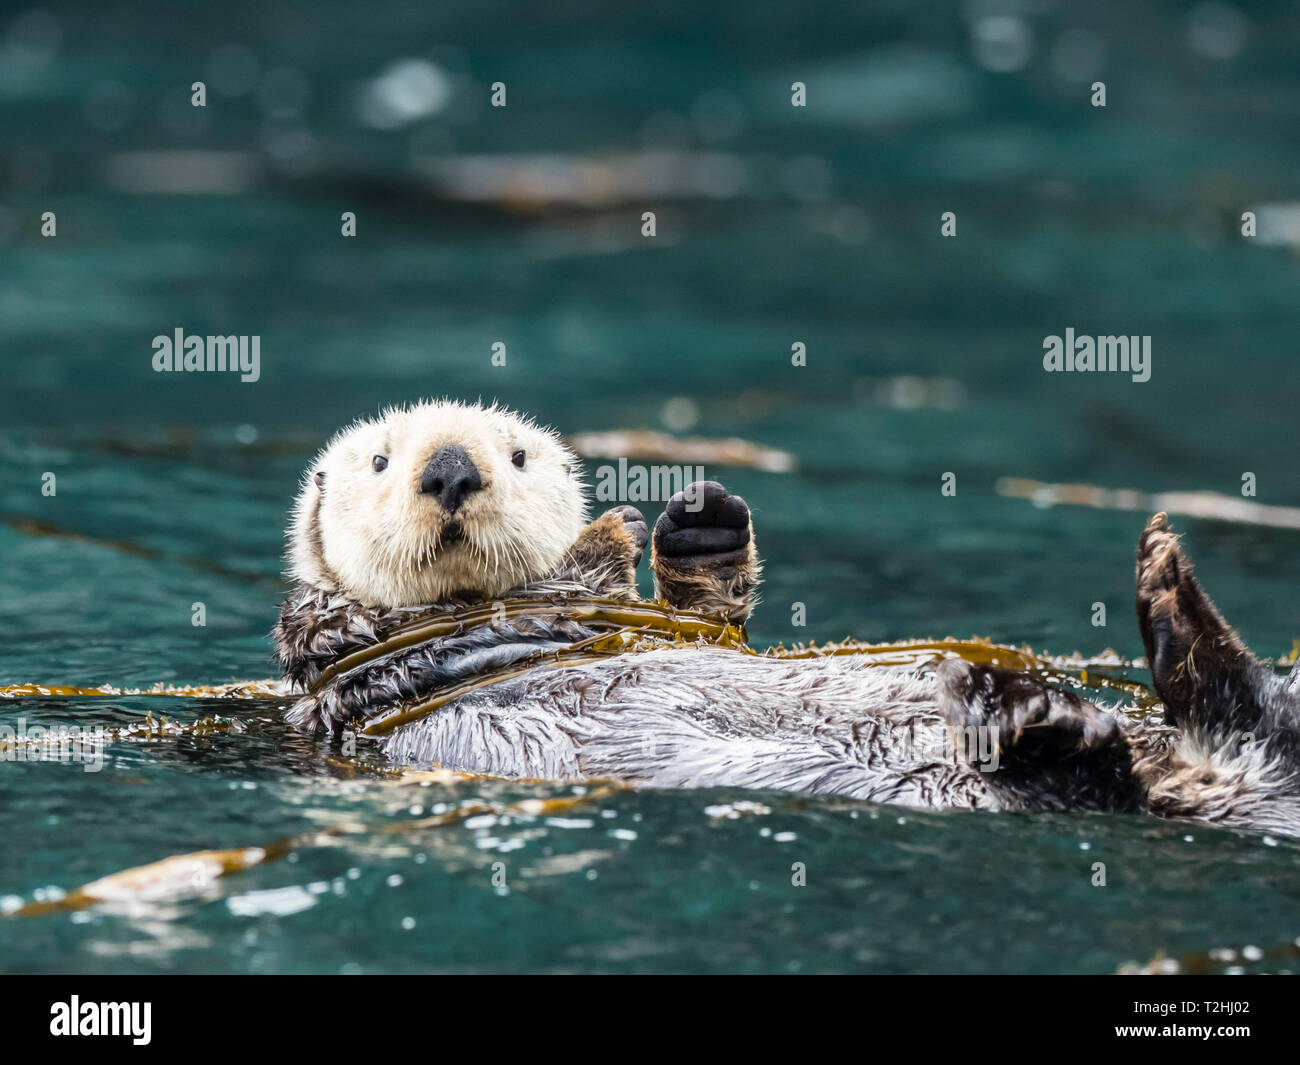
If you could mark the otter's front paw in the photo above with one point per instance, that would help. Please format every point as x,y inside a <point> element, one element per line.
<point>607,552</point>
<point>704,557</point>
<point>636,533</point>
<point>635,526</point>
<point>703,526</point>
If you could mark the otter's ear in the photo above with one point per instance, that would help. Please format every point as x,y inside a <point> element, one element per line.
<point>319,478</point>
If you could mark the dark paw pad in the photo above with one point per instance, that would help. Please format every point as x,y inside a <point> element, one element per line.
<point>703,526</point>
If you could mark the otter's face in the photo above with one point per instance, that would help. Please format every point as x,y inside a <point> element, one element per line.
<point>437,501</point>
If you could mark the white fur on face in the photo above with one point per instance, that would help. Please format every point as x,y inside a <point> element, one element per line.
<point>376,539</point>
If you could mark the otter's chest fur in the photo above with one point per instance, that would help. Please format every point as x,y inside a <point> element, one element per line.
<point>704,718</point>
<point>677,716</point>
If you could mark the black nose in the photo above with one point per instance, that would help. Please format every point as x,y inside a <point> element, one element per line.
<point>450,476</point>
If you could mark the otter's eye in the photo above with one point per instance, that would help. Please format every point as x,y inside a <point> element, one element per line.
<point>379,463</point>
<point>518,459</point>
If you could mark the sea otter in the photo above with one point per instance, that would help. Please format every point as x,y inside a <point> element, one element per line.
<point>429,509</point>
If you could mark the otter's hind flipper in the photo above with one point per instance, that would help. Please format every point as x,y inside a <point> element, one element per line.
<point>1206,677</point>
<point>1190,647</point>
<point>704,556</point>
<point>1021,710</point>
<point>1045,748</point>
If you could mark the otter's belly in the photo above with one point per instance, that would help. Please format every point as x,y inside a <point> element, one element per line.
<point>699,718</point>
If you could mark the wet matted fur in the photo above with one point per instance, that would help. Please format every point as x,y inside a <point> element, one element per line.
<point>1225,751</point>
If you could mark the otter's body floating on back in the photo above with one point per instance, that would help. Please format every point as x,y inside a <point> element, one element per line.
<point>441,505</point>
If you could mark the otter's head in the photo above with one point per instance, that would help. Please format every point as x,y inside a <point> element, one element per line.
<point>435,501</point>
